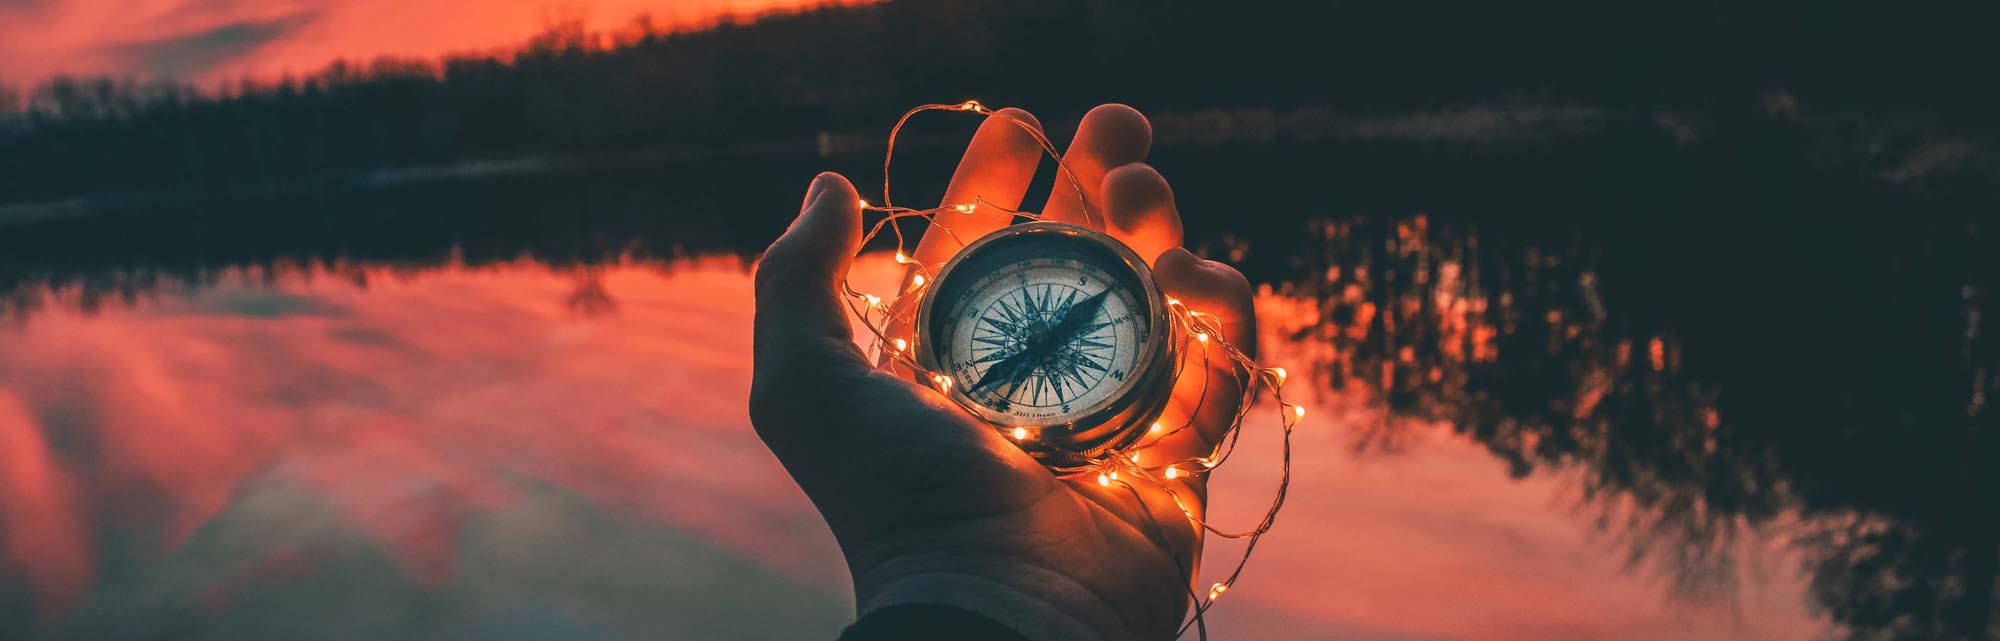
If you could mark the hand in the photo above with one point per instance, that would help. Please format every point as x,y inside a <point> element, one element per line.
<point>931,505</point>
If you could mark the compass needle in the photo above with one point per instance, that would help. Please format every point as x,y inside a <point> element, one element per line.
<point>1051,327</point>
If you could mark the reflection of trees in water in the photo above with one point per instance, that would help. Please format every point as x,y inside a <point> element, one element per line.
<point>589,299</point>
<point>1514,347</point>
<point>1893,579</point>
<point>90,293</point>
<point>125,257</point>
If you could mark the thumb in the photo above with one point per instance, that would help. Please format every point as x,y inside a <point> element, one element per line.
<point>800,319</point>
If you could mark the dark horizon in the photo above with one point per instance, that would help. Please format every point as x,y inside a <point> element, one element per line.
<point>1746,80</point>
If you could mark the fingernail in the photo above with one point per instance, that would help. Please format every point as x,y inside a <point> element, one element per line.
<point>813,194</point>
<point>813,191</point>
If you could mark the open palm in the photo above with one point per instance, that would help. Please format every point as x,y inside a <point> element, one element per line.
<point>932,505</point>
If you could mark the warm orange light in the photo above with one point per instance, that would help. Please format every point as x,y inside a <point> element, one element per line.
<point>1277,375</point>
<point>1020,433</point>
<point>943,382</point>
<point>917,280</point>
<point>902,257</point>
<point>1103,480</point>
<point>1173,472</point>
<point>1155,429</point>
<point>900,344</point>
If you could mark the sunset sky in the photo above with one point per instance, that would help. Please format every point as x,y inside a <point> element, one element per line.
<point>207,41</point>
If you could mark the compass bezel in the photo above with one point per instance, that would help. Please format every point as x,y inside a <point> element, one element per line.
<point>1126,399</point>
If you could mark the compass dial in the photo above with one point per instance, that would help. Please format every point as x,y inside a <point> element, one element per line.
<point>1042,329</point>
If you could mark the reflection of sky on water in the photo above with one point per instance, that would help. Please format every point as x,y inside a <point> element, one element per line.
<point>512,451</point>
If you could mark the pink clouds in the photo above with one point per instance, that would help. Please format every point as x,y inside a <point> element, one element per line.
<point>406,406</point>
<point>47,545</point>
<point>209,41</point>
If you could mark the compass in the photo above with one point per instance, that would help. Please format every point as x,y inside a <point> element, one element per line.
<point>1055,328</point>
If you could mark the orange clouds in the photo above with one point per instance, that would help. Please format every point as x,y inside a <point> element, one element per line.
<point>211,41</point>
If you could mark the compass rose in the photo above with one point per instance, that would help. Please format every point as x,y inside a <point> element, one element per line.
<point>1042,345</point>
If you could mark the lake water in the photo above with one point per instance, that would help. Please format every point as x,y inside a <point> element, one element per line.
<point>516,409</point>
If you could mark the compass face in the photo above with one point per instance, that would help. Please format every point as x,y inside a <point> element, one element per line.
<point>1042,327</point>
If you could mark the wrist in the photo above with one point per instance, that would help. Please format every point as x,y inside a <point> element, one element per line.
<point>1038,604</point>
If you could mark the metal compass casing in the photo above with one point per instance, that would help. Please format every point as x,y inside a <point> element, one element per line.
<point>1055,328</point>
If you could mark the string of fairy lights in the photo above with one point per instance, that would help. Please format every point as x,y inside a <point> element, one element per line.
<point>1194,331</point>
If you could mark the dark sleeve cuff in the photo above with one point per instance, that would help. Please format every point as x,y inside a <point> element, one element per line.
<point>926,621</point>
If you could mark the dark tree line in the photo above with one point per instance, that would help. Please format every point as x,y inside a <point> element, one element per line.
<point>788,76</point>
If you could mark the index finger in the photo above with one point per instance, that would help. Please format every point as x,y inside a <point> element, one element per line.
<point>996,169</point>
<point>1109,136</point>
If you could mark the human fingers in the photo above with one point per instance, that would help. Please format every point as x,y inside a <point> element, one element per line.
<point>1209,390</point>
<point>1109,136</point>
<point>800,332</point>
<point>996,169</point>
<point>1139,210</point>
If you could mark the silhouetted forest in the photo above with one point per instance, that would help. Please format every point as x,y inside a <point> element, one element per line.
<point>849,68</point>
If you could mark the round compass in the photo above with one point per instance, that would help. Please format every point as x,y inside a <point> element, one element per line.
<point>1055,328</point>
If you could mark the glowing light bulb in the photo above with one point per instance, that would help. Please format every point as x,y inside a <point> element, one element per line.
<point>900,344</point>
<point>1217,590</point>
<point>864,203</point>
<point>1201,336</point>
<point>1103,480</point>
<point>1114,475</point>
<point>902,258</point>
<point>1173,301</point>
<point>971,105</point>
<point>1135,458</point>
<point>872,299</point>
<point>917,280</point>
<point>943,382</point>
<point>1277,375</point>
<point>1155,429</point>
<point>1020,433</point>
<point>1173,472</point>
<point>965,208</point>
<point>1298,412</point>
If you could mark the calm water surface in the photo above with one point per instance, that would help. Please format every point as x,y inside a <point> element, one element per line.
<point>535,452</point>
<point>459,413</point>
